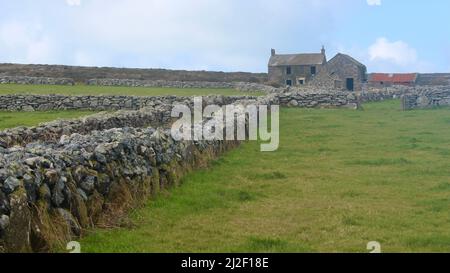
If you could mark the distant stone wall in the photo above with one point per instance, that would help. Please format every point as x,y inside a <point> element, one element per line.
<point>94,103</point>
<point>138,111</point>
<point>319,100</point>
<point>312,98</point>
<point>393,92</point>
<point>433,79</point>
<point>35,80</point>
<point>242,86</point>
<point>158,113</point>
<point>426,97</point>
<point>158,83</point>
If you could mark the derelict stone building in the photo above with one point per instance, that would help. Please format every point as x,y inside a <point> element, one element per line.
<point>295,69</point>
<point>342,72</point>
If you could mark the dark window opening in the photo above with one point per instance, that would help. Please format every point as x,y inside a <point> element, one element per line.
<point>288,70</point>
<point>350,84</point>
<point>289,83</point>
<point>301,82</point>
<point>313,70</point>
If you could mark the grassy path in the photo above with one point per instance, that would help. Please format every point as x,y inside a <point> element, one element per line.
<point>119,91</point>
<point>15,119</point>
<point>340,179</point>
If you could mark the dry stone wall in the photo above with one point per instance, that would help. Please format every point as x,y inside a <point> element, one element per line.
<point>304,98</point>
<point>319,100</point>
<point>242,86</point>
<point>35,80</point>
<point>60,178</point>
<point>394,92</point>
<point>95,103</point>
<point>156,114</point>
<point>52,191</point>
<point>426,97</point>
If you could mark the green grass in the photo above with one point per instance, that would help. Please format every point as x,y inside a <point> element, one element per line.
<point>15,119</point>
<point>120,91</point>
<point>340,179</point>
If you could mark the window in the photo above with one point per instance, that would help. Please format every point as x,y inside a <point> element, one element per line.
<point>288,70</point>
<point>313,70</point>
<point>288,82</point>
<point>301,82</point>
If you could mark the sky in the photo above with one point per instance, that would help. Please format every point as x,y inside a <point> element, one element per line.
<point>225,35</point>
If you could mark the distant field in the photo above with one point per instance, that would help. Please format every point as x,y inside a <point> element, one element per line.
<point>15,119</point>
<point>106,90</point>
<point>340,179</point>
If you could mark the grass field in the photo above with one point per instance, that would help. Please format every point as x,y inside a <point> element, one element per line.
<point>340,179</point>
<point>120,91</point>
<point>14,119</point>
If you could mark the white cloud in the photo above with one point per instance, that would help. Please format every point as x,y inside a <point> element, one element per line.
<point>83,59</point>
<point>220,35</point>
<point>374,2</point>
<point>73,2</point>
<point>26,43</point>
<point>399,52</point>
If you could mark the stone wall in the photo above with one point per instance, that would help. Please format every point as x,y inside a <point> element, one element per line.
<point>35,80</point>
<point>242,86</point>
<point>305,96</point>
<point>158,83</point>
<point>51,193</point>
<point>393,92</point>
<point>435,79</point>
<point>153,111</point>
<point>95,103</point>
<point>426,97</point>
<point>158,114</point>
<point>60,178</point>
<point>319,100</point>
<point>53,190</point>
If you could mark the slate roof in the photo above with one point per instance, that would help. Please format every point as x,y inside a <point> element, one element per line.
<point>349,58</point>
<point>297,59</point>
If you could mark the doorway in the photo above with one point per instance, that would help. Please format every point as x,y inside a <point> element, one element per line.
<point>350,84</point>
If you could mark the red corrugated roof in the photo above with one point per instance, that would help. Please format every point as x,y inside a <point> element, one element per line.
<point>393,78</point>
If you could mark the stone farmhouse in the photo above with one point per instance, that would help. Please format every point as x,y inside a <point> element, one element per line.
<point>342,72</point>
<point>295,69</point>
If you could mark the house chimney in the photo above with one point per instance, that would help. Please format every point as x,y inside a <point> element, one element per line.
<point>273,52</point>
<point>323,50</point>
